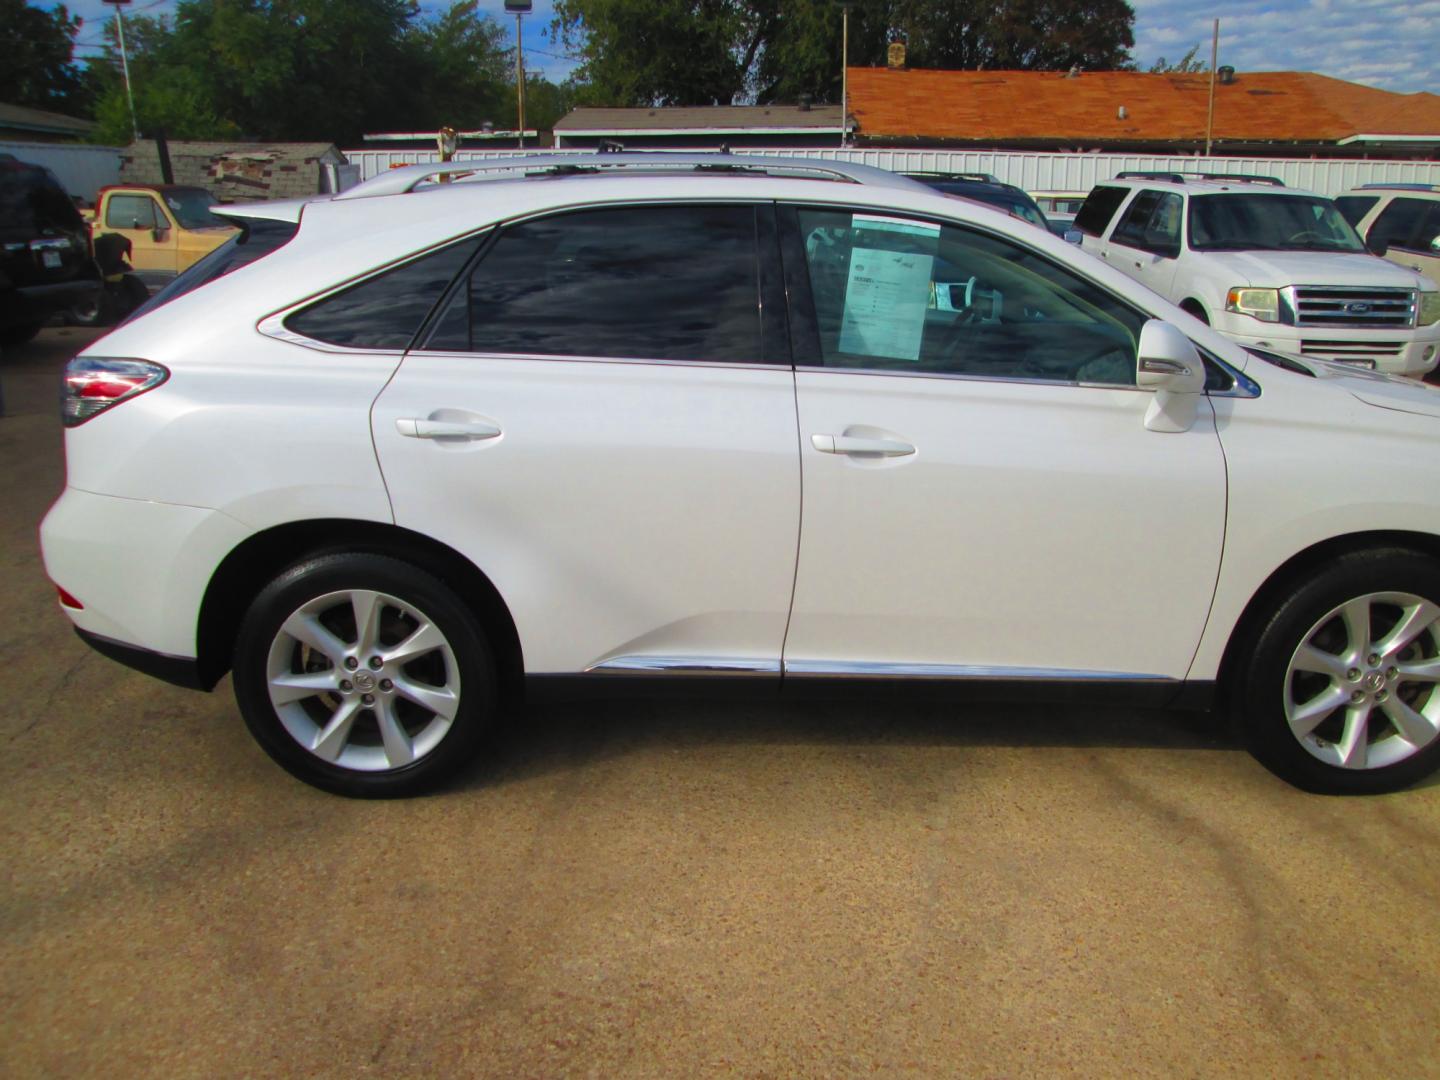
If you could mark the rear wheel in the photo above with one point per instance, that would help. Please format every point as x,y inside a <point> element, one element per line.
<point>364,675</point>
<point>1340,691</point>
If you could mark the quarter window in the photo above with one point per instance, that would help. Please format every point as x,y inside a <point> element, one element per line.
<point>902,295</point>
<point>132,212</point>
<point>387,310</point>
<point>1099,208</point>
<point>654,282</point>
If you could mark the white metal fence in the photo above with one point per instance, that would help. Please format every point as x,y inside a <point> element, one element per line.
<point>1033,172</point>
<point>82,170</point>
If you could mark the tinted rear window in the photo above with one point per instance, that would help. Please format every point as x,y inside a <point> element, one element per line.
<point>1099,208</point>
<point>256,239</point>
<point>31,199</point>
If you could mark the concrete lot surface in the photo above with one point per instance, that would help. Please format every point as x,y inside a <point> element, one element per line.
<point>679,889</point>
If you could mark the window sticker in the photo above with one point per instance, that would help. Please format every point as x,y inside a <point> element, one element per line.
<point>888,291</point>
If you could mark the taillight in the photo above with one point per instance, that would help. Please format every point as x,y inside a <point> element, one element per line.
<point>94,383</point>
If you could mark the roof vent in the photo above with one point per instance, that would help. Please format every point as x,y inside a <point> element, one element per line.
<point>895,55</point>
<point>1121,113</point>
<point>805,101</point>
<point>1226,74</point>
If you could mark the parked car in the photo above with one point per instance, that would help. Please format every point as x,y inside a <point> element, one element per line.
<point>1265,265</point>
<point>1052,203</point>
<point>984,188</point>
<point>169,226</point>
<point>1403,220</point>
<point>1062,225</point>
<point>45,261</point>
<point>798,428</point>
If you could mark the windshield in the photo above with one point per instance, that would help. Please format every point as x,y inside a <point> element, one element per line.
<point>1235,222</point>
<point>191,207</point>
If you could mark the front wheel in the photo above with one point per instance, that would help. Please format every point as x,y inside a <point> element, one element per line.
<point>1339,694</point>
<point>364,675</point>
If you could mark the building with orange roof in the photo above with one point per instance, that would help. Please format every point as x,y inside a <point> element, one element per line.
<point>1273,113</point>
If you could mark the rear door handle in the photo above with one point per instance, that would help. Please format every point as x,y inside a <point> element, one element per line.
<point>417,428</point>
<point>850,444</point>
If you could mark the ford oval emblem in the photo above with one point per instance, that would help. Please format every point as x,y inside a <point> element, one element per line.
<point>1357,307</point>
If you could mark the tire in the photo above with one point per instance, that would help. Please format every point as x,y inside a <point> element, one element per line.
<point>1339,692</point>
<point>18,334</point>
<point>330,716</point>
<point>98,310</point>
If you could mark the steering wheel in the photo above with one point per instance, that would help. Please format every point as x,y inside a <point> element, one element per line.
<point>1305,234</point>
<point>949,347</point>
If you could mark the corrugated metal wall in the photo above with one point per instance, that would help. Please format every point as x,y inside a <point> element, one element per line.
<point>1033,172</point>
<point>83,170</point>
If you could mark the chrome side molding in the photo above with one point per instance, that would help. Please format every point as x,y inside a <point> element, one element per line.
<point>685,665</point>
<point>856,669</point>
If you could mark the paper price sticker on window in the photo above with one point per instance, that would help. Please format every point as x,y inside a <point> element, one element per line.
<point>888,290</point>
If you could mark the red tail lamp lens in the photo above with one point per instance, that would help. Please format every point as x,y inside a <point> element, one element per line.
<point>95,383</point>
<point>68,600</point>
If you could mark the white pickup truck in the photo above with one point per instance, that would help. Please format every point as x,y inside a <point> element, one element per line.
<point>1266,265</point>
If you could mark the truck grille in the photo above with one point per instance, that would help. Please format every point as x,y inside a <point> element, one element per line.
<point>1318,305</point>
<point>1350,350</point>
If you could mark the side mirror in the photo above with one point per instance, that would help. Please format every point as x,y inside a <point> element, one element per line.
<point>1378,248</point>
<point>1075,236</point>
<point>157,234</point>
<point>1169,364</point>
<point>1435,244</point>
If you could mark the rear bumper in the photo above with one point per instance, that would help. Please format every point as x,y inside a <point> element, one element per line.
<point>179,670</point>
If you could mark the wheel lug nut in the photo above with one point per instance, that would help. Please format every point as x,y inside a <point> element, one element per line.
<point>351,663</point>
<point>1392,673</point>
<point>368,699</point>
<point>1353,674</point>
<point>1357,697</point>
<point>1383,695</point>
<point>1373,659</point>
<point>376,662</point>
<point>346,686</point>
<point>386,685</point>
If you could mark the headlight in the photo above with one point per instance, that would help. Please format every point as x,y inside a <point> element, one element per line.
<point>1262,304</point>
<point>1429,309</point>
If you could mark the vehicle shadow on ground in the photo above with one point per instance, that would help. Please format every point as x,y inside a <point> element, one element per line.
<point>541,739</point>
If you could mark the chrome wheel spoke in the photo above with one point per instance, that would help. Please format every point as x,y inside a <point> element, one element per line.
<point>1415,728</point>
<point>288,687</point>
<point>333,737</point>
<point>1353,746</point>
<point>1309,658</point>
<point>440,700</point>
<point>398,748</point>
<point>1356,617</point>
<point>367,608</point>
<point>426,638</point>
<point>307,630</point>
<point>1414,622</point>
<point>1424,671</point>
<point>1306,718</point>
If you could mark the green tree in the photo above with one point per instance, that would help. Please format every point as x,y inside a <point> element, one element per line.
<point>39,68</point>
<point>1186,65</point>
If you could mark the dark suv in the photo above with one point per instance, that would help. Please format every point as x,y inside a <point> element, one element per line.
<point>45,261</point>
<point>982,187</point>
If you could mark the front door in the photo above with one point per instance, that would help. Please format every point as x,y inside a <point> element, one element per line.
<point>982,498</point>
<point>600,423</point>
<point>140,219</point>
<point>1146,242</point>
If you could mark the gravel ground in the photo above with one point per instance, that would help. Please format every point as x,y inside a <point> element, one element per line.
<point>679,889</point>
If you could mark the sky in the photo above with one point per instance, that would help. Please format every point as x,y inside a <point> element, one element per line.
<point>1391,44</point>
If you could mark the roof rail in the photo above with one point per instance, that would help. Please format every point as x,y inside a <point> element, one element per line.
<point>408,177</point>
<point>1179,177</point>
<point>1400,187</point>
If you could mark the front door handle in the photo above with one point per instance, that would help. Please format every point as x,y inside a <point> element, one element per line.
<point>850,444</point>
<point>417,428</point>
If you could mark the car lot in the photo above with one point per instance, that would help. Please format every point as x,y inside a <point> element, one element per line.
<point>644,888</point>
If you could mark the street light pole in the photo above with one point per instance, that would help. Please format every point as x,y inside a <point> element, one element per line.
<point>844,71</point>
<point>519,7</point>
<point>125,64</point>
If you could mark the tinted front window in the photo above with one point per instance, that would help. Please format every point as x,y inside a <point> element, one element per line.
<point>130,212</point>
<point>661,283</point>
<point>1152,223</point>
<point>1239,222</point>
<point>1099,208</point>
<point>912,296</point>
<point>1407,223</point>
<point>385,311</point>
<point>1354,207</point>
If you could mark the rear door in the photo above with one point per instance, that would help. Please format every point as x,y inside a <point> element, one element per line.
<point>602,419</point>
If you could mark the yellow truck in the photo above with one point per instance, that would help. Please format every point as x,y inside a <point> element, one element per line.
<point>169,226</point>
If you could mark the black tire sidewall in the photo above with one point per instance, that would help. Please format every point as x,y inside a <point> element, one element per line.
<point>333,573</point>
<point>1260,688</point>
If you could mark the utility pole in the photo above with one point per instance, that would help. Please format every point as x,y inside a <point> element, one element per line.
<point>1210,113</point>
<point>844,70</point>
<point>125,64</point>
<point>519,8</point>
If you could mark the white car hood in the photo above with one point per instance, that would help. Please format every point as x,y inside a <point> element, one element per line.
<point>1379,389</point>
<point>1277,269</point>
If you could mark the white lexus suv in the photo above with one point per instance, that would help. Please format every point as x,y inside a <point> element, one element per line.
<point>1265,265</point>
<point>646,423</point>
